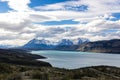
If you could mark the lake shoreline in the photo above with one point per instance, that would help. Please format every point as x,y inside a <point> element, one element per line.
<point>74,59</point>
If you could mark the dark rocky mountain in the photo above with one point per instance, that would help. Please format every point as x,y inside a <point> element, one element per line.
<point>36,44</point>
<point>64,44</point>
<point>106,46</point>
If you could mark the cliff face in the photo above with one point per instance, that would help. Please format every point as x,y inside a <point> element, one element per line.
<point>108,46</point>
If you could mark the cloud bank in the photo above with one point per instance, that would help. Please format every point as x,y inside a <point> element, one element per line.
<point>23,23</point>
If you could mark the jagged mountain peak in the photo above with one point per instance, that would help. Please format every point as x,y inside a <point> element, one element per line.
<point>47,44</point>
<point>39,41</point>
<point>65,42</point>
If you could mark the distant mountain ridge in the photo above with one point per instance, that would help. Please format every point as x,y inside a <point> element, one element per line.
<point>84,45</point>
<point>63,44</point>
<point>105,46</point>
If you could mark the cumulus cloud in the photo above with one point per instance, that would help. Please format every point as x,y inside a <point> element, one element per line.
<point>93,7</point>
<point>22,23</point>
<point>17,5</point>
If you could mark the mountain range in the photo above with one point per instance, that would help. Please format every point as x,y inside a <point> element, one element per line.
<point>84,45</point>
<point>63,44</point>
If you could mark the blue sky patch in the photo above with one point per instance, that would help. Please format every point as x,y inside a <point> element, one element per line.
<point>35,3</point>
<point>116,15</point>
<point>4,7</point>
<point>63,22</point>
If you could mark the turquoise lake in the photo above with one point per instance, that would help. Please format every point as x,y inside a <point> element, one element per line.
<point>74,59</point>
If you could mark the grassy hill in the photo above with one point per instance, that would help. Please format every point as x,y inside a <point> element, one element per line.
<point>15,72</point>
<point>21,57</point>
<point>21,65</point>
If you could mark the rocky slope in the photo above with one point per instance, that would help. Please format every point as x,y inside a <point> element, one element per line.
<point>106,46</point>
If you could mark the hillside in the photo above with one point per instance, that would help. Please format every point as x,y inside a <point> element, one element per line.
<point>106,46</point>
<point>15,72</point>
<point>21,57</point>
<point>16,64</point>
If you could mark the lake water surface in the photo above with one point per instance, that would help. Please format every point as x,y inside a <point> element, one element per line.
<point>74,59</point>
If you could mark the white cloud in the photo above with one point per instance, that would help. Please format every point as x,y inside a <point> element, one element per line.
<point>15,42</point>
<point>19,26</point>
<point>18,5</point>
<point>96,9</point>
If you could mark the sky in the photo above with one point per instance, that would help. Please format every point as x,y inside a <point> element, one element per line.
<point>23,20</point>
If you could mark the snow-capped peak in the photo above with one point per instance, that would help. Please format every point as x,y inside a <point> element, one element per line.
<point>65,42</point>
<point>60,42</point>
